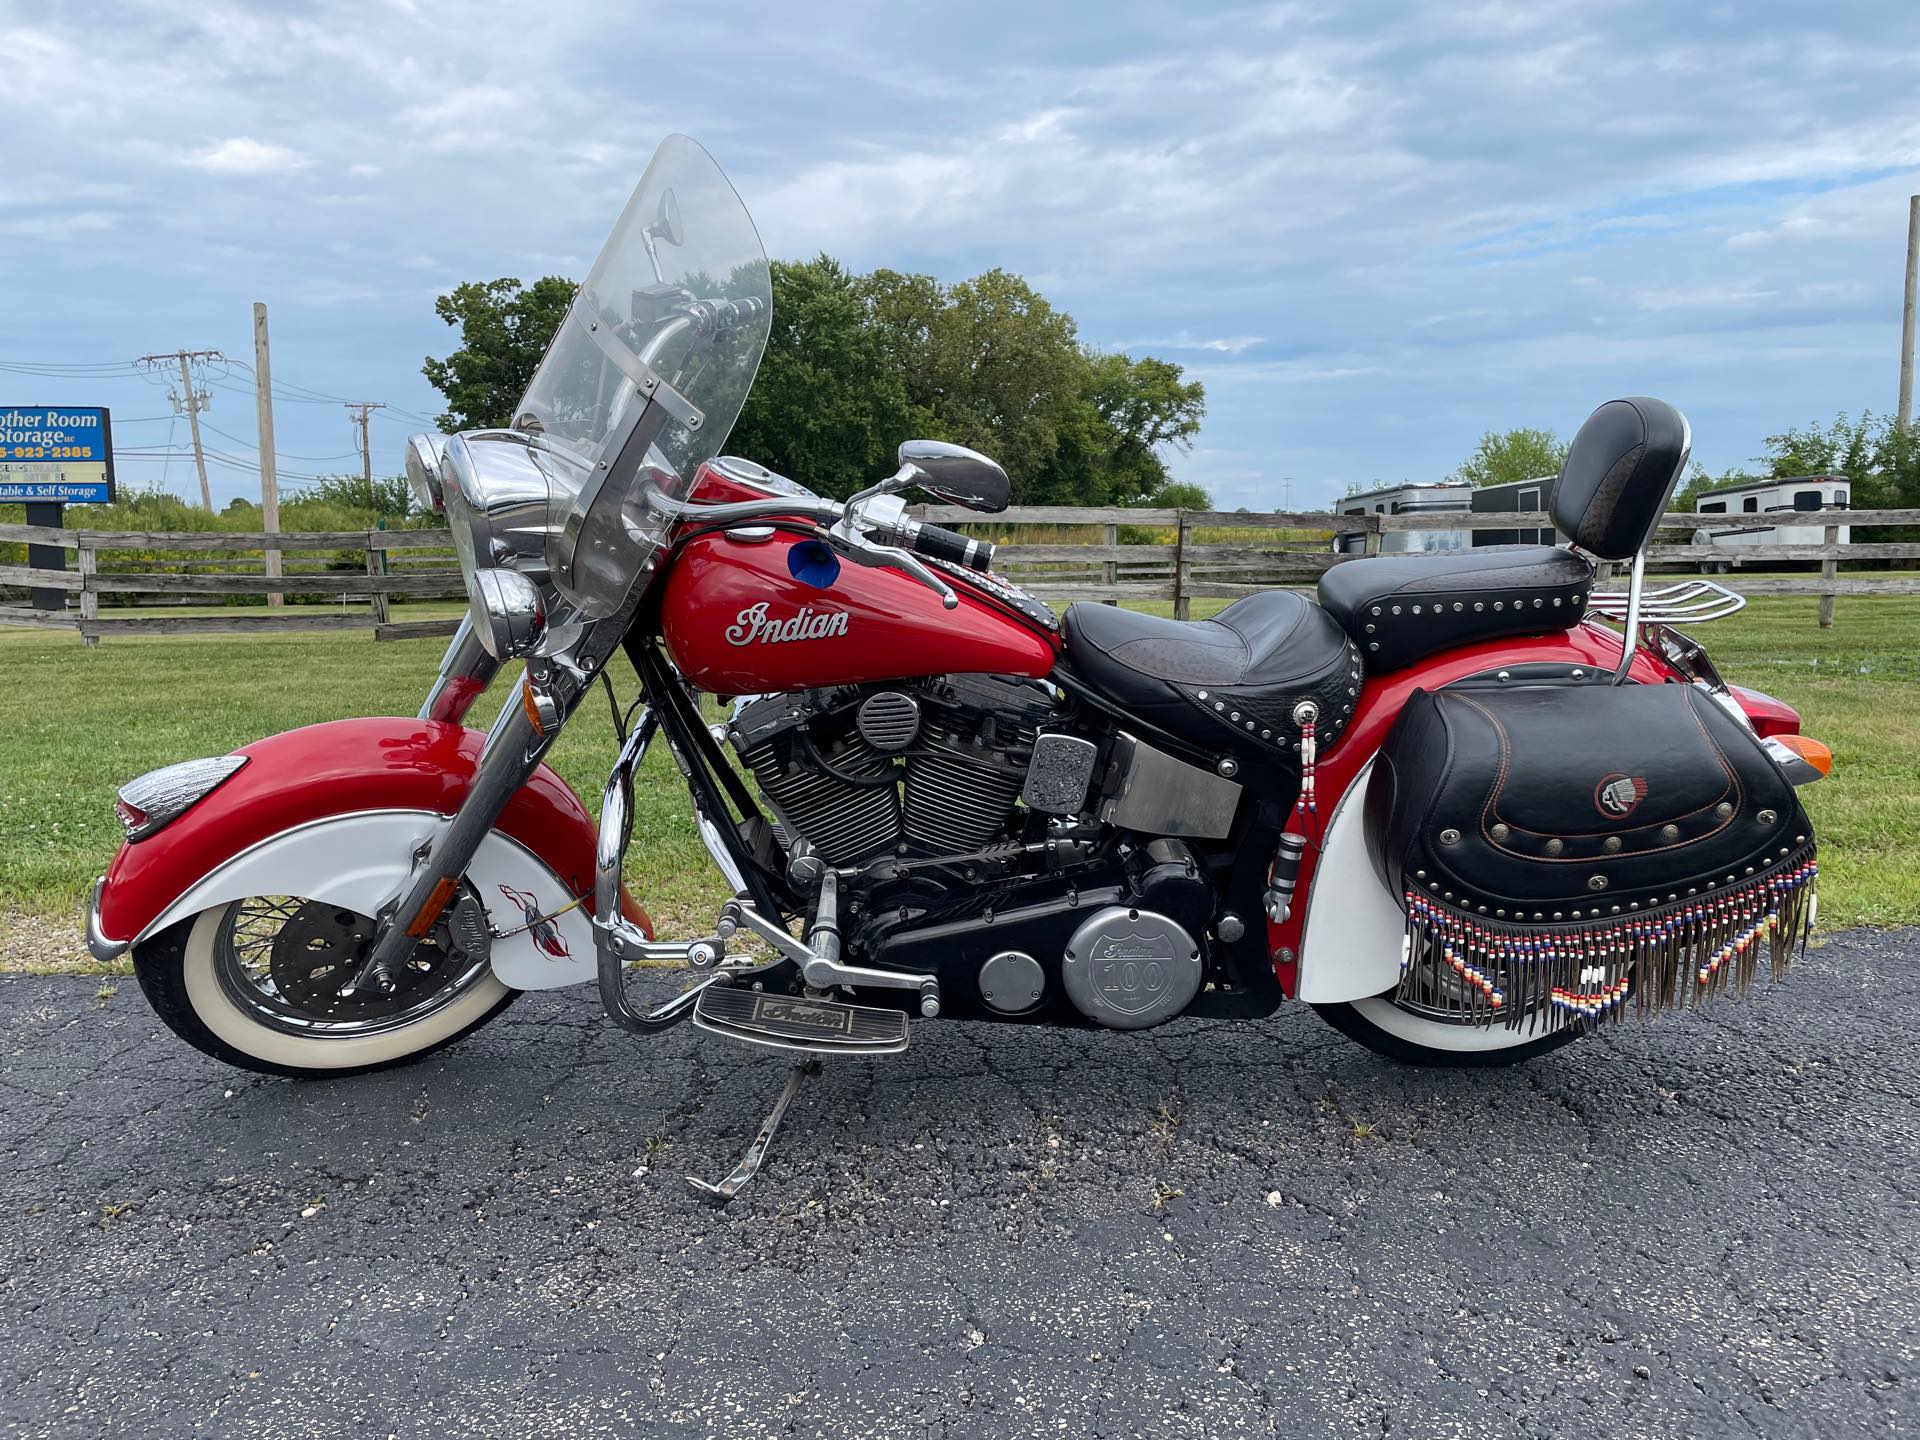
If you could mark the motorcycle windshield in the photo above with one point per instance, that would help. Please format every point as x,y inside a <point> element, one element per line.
<point>676,310</point>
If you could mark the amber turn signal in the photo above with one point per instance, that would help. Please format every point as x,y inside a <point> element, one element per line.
<point>1809,750</point>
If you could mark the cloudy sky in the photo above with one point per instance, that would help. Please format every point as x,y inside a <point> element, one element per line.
<point>1375,230</point>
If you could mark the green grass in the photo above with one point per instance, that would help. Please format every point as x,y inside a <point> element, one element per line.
<point>78,722</point>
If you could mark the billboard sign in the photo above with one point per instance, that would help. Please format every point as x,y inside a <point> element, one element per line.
<point>58,453</point>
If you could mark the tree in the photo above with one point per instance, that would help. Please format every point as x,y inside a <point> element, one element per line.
<point>1185,495</point>
<point>385,496</point>
<point>1881,462</point>
<point>857,363</point>
<point>504,329</point>
<point>826,409</point>
<point>1522,454</point>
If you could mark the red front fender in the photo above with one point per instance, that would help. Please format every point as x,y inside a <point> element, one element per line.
<point>332,769</point>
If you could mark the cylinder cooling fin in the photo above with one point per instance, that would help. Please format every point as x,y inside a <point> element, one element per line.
<point>926,768</point>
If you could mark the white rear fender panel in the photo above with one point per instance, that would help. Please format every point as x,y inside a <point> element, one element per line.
<point>361,860</point>
<point>1350,948</point>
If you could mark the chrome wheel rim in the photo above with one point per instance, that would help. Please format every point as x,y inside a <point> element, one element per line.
<point>286,960</point>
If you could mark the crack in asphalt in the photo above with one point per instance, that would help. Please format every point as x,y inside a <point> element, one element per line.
<point>1701,1225</point>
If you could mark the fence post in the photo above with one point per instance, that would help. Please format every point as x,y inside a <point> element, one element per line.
<point>376,567</point>
<point>1182,602</point>
<point>89,565</point>
<point>1829,568</point>
<point>1370,544</point>
<point>1110,572</point>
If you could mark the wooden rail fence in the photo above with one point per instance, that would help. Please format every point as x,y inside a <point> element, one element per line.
<point>1189,565</point>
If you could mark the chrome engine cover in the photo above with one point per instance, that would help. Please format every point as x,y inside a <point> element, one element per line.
<point>1129,969</point>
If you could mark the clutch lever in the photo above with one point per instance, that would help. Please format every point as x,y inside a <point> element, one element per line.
<point>875,556</point>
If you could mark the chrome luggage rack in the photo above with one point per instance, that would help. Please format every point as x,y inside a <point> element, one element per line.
<point>1682,603</point>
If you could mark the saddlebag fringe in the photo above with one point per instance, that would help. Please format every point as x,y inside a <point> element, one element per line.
<point>1667,956</point>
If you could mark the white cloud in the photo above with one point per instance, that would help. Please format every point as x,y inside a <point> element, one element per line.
<point>1375,231</point>
<point>243,155</point>
<point>1187,340</point>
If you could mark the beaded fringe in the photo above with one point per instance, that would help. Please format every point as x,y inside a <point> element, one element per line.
<point>1667,956</point>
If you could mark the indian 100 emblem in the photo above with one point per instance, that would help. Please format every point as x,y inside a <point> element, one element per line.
<point>1619,796</point>
<point>1131,970</point>
<point>752,625</point>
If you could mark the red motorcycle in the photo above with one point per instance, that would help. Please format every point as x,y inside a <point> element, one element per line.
<point>1447,805</point>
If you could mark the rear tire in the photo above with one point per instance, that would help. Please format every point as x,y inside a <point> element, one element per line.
<point>1411,1038</point>
<point>180,972</point>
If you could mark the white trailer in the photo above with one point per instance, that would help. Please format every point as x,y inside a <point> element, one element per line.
<point>1802,503</point>
<point>1409,500</point>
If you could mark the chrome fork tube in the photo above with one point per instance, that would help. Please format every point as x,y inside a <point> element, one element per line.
<point>466,670</point>
<point>511,755</point>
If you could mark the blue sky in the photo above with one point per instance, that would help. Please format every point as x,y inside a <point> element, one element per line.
<point>1374,230</point>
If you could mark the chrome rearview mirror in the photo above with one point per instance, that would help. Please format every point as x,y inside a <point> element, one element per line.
<point>955,474</point>
<point>666,221</point>
<point>664,226</point>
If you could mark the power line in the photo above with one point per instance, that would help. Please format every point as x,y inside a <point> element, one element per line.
<point>361,410</point>
<point>193,402</point>
<point>282,454</point>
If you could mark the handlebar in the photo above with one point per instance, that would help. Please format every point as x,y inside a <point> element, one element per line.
<point>950,546</point>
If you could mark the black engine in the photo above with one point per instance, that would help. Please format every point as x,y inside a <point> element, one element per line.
<point>912,791</point>
<point>919,769</point>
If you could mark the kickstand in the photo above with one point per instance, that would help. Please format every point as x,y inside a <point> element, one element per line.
<point>749,1165</point>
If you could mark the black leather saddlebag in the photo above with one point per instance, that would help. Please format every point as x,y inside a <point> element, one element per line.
<point>1559,847</point>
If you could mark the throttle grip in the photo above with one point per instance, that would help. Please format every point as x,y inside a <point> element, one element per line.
<point>953,547</point>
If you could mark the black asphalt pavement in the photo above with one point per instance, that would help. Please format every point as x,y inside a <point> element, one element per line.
<point>1705,1225</point>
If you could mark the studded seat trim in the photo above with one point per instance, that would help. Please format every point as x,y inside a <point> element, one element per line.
<point>1399,609</point>
<point>1235,681</point>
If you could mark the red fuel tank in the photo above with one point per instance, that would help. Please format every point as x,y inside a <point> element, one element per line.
<point>751,617</point>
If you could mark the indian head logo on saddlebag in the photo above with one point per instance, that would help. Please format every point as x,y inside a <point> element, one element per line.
<point>1618,796</point>
<point>752,625</point>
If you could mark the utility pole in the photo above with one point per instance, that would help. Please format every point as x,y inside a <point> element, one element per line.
<point>1906,329</point>
<point>360,410</point>
<point>192,402</point>
<point>269,480</point>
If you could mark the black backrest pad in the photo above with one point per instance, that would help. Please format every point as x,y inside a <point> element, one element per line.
<point>1619,475</point>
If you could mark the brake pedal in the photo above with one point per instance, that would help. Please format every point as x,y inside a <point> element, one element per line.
<point>791,1022</point>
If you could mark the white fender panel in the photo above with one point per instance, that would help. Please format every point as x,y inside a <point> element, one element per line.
<point>1355,927</point>
<point>361,860</point>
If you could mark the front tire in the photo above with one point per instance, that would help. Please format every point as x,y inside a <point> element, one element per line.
<point>190,977</point>
<point>1411,1038</point>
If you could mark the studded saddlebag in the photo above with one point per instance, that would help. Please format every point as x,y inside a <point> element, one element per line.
<point>1558,847</point>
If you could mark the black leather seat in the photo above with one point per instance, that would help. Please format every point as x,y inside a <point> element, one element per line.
<point>1403,608</point>
<point>1233,680</point>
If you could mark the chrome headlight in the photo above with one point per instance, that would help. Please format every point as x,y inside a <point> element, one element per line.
<point>496,499</point>
<point>163,795</point>
<point>509,616</point>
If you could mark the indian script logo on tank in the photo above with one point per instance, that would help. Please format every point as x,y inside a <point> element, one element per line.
<point>753,626</point>
<point>1619,795</point>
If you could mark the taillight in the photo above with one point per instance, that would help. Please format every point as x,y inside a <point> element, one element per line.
<point>135,820</point>
<point>1809,750</point>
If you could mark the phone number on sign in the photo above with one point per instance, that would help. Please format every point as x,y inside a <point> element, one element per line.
<point>46,452</point>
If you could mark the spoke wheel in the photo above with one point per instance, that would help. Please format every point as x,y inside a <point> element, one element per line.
<point>291,963</point>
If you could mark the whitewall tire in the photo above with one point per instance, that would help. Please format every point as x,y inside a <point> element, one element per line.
<point>188,976</point>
